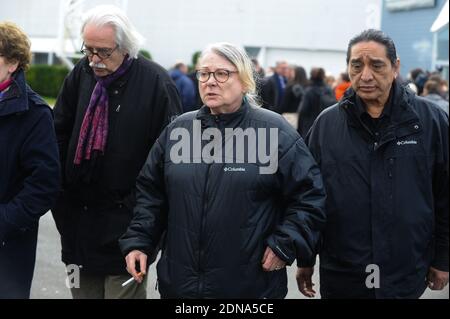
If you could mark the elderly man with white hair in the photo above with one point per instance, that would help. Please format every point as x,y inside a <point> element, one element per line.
<point>112,107</point>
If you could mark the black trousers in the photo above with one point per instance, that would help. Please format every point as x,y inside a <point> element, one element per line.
<point>344,285</point>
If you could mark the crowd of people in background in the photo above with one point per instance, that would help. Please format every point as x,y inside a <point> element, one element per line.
<point>288,90</point>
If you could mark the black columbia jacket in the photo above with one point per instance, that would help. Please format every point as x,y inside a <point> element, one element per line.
<point>387,194</point>
<point>221,217</point>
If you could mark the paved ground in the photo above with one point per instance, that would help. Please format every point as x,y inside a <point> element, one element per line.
<point>49,277</point>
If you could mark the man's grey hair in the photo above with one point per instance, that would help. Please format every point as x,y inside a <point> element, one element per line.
<point>239,58</point>
<point>128,38</point>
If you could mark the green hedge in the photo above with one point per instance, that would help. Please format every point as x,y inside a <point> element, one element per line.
<point>146,54</point>
<point>46,80</point>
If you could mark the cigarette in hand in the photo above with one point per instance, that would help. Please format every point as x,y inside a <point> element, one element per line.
<point>131,279</point>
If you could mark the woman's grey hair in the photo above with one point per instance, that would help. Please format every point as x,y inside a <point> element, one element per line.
<point>128,38</point>
<point>239,58</point>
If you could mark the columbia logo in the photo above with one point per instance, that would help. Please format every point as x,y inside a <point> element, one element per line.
<point>407,142</point>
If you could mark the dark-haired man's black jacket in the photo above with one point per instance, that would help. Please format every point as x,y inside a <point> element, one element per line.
<point>221,217</point>
<point>387,195</point>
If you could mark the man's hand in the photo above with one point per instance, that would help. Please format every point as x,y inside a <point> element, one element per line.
<point>134,257</point>
<point>437,279</point>
<point>304,281</point>
<point>271,262</point>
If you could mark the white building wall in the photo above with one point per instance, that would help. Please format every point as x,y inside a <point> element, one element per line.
<point>307,32</point>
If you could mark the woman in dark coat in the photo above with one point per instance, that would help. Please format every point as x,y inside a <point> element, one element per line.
<point>231,227</point>
<point>294,91</point>
<point>317,97</point>
<point>29,165</point>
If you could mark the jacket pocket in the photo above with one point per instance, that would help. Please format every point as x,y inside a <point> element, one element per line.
<point>113,223</point>
<point>164,280</point>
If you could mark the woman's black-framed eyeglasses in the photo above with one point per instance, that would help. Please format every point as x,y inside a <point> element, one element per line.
<point>221,75</point>
<point>102,53</point>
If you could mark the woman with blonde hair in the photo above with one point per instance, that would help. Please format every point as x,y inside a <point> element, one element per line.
<point>233,218</point>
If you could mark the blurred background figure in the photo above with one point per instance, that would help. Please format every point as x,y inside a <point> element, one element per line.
<point>259,74</point>
<point>318,97</point>
<point>193,76</point>
<point>185,86</point>
<point>295,89</point>
<point>293,95</point>
<point>418,77</point>
<point>273,87</point>
<point>259,71</point>
<point>431,91</point>
<point>342,84</point>
<point>443,84</point>
<point>330,80</point>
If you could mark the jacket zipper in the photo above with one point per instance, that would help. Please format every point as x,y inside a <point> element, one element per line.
<point>202,226</point>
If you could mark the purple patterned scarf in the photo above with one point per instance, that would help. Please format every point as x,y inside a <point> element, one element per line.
<point>94,129</point>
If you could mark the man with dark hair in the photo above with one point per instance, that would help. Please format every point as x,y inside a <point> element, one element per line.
<point>383,153</point>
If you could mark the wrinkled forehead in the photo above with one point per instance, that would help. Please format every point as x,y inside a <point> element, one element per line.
<point>105,34</point>
<point>371,51</point>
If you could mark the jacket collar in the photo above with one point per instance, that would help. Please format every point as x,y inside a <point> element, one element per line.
<point>226,119</point>
<point>403,120</point>
<point>401,105</point>
<point>15,99</point>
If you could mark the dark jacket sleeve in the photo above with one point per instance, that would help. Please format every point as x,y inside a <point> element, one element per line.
<point>40,164</point>
<point>170,102</point>
<point>268,93</point>
<point>297,237</point>
<point>441,200</point>
<point>150,213</point>
<point>64,112</point>
<point>305,111</point>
